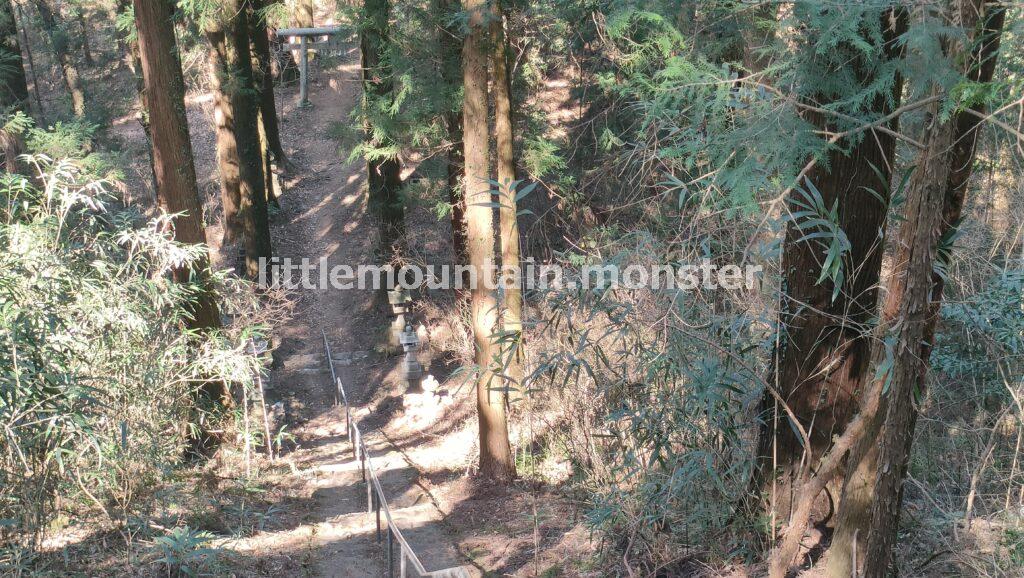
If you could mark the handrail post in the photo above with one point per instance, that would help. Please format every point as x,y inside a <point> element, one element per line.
<point>377,509</point>
<point>375,500</point>
<point>371,504</point>
<point>303,72</point>
<point>391,557</point>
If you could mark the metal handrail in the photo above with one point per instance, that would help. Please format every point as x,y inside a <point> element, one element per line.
<point>376,501</point>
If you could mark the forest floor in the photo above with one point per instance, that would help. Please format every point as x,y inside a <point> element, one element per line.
<point>312,501</point>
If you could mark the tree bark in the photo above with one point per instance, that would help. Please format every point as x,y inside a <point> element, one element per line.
<point>59,41</point>
<point>133,61</point>
<point>823,357</point>
<point>265,81</point>
<point>224,121</point>
<point>253,195</point>
<point>935,201</point>
<point>508,226</point>
<point>177,191</point>
<point>495,452</point>
<point>13,84</point>
<point>918,240</point>
<point>31,64</point>
<point>449,42</point>
<point>384,179</point>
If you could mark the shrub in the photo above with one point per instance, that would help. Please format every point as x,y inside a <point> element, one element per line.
<point>97,373</point>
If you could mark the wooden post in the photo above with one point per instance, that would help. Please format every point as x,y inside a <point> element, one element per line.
<point>303,71</point>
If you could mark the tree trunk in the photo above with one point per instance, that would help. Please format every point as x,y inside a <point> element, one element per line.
<point>495,453</point>
<point>132,59</point>
<point>917,252</point>
<point>384,179</point>
<point>935,201</point>
<point>253,195</point>
<point>13,84</point>
<point>31,64</point>
<point>268,169</point>
<point>508,226</point>
<point>451,73</point>
<point>265,82</point>
<point>824,355</point>
<point>177,191</point>
<point>59,41</point>
<point>224,121</point>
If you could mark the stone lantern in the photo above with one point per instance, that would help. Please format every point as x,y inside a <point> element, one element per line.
<point>412,371</point>
<point>400,302</point>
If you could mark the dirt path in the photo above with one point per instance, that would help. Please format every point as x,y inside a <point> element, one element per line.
<point>324,216</point>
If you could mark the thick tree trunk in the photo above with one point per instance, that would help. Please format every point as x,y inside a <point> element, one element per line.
<point>917,252</point>
<point>450,45</point>
<point>175,172</point>
<point>253,195</point>
<point>508,226</point>
<point>384,179</point>
<point>177,191</point>
<point>823,356</point>
<point>61,50</point>
<point>877,467</point>
<point>495,452</point>
<point>265,82</point>
<point>224,121</point>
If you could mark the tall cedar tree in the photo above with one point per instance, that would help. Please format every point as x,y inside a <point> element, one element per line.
<point>854,508</point>
<point>59,41</point>
<point>224,127</point>
<point>450,45</point>
<point>13,86</point>
<point>508,226</point>
<point>935,200</point>
<point>252,206</point>
<point>495,452</point>
<point>177,192</point>
<point>265,76</point>
<point>824,355</point>
<point>384,179</point>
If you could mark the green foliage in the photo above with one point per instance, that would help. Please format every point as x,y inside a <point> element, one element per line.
<point>541,157</point>
<point>97,371</point>
<point>184,552</point>
<point>820,224</point>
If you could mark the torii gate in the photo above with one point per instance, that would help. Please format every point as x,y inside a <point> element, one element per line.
<point>304,46</point>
